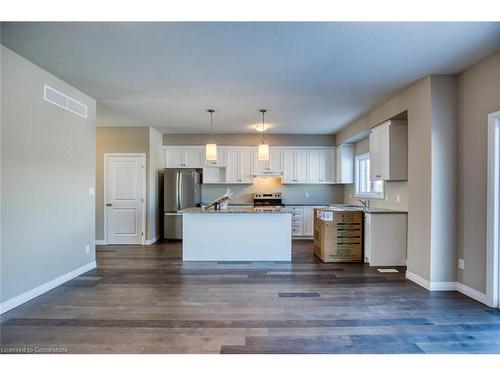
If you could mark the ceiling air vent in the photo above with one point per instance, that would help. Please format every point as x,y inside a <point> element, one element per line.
<point>64,101</point>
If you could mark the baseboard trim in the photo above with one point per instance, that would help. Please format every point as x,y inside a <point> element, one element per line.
<point>473,293</point>
<point>449,286</point>
<point>39,290</point>
<point>418,280</point>
<point>100,242</point>
<point>152,240</point>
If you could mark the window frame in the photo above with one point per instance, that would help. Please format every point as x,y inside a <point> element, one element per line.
<point>357,194</point>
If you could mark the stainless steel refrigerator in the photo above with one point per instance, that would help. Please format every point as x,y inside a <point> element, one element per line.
<point>181,189</point>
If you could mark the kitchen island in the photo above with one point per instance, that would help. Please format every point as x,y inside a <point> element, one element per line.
<point>237,234</point>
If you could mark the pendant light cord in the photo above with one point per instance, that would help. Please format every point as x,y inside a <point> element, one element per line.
<point>263,138</point>
<point>212,137</point>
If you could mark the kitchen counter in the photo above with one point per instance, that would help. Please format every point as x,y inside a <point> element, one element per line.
<point>235,210</point>
<point>371,210</point>
<point>236,234</point>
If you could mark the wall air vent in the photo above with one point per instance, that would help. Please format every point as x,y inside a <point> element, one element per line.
<point>64,101</point>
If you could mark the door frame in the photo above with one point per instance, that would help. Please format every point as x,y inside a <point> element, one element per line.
<point>493,211</point>
<point>143,218</point>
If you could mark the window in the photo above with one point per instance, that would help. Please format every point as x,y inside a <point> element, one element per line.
<point>364,187</point>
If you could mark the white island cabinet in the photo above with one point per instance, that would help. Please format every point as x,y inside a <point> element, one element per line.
<point>239,234</point>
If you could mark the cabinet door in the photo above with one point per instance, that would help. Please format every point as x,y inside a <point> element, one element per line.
<point>174,157</point>
<point>301,166</point>
<point>193,157</point>
<point>275,157</point>
<point>376,168</point>
<point>308,221</point>
<point>288,166</point>
<point>327,166</point>
<point>314,166</point>
<point>221,158</point>
<point>245,172</point>
<point>232,166</point>
<point>344,171</point>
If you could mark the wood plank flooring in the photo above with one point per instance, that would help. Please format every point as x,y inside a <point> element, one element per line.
<point>146,300</point>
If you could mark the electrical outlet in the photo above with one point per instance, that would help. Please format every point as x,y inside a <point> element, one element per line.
<point>461,264</point>
<point>350,195</point>
<point>87,249</point>
<point>387,197</point>
<point>307,195</point>
<point>398,198</point>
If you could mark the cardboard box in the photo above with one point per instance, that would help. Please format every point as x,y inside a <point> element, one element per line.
<point>338,235</point>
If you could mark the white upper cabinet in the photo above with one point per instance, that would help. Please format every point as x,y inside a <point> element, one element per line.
<point>294,166</point>
<point>321,166</point>
<point>344,160</point>
<point>184,156</point>
<point>221,158</point>
<point>274,164</point>
<point>239,165</point>
<point>389,151</point>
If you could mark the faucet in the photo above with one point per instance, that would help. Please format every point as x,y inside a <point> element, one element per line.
<point>366,203</point>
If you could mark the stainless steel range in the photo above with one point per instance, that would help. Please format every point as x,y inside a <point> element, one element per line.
<point>267,200</point>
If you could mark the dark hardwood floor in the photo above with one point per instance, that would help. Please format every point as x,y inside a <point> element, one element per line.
<point>146,300</point>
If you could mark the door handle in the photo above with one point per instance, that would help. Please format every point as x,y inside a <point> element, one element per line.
<point>108,204</point>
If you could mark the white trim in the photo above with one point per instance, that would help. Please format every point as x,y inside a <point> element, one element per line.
<point>100,242</point>
<point>418,280</point>
<point>152,240</point>
<point>493,207</point>
<point>144,184</point>
<point>431,285</point>
<point>448,286</point>
<point>35,292</point>
<point>473,293</point>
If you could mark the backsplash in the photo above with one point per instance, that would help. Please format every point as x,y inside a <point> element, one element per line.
<point>291,194</point>
<point>392,190</point>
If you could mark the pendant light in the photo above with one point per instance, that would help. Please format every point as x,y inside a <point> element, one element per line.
<point>211,147</point>
<point>263,148</point>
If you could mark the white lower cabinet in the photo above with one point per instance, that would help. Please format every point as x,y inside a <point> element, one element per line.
<point>385,239</point>
<point>303,220</point>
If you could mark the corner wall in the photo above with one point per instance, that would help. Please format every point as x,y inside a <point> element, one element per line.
<point>47,167</point>
<point>478,95</point>
<point>416,100</point>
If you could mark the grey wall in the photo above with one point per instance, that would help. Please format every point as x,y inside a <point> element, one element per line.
<point>251,139</point>
<point>478,95</point>
<point>116,140</point>
<point>155,183</point>
<point>416,100</point>
<point>291,194</point>
<point>47,166</point>
<point>444,178</point>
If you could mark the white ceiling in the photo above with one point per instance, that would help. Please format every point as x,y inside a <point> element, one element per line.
<point>312,77</point>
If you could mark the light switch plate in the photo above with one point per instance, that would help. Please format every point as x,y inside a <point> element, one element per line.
<point>461,264</point>
<point>398,198</point>
<point>91,191</point>
<point>87,249</point>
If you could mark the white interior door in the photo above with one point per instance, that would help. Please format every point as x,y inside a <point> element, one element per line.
<point>124,198</point>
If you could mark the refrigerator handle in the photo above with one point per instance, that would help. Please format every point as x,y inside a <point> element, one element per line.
<point>178,192</point>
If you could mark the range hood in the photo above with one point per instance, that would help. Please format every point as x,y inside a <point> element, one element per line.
<point>269,174</point>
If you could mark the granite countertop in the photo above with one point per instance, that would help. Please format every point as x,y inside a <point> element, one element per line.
<point>371,210</point>
<point>233,210</point>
